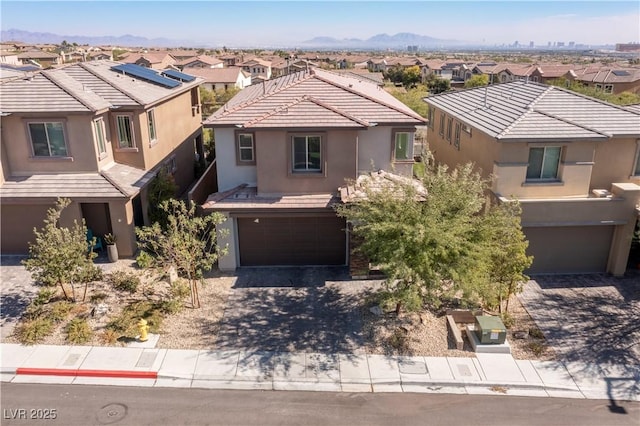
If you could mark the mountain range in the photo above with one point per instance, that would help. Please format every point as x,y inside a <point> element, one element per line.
<point>379,41</point>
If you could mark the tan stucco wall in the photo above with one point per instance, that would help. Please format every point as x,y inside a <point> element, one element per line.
<point>81,149</point>
<point>122,227</point>
<point>274,169</point>
<point>614,162</point>
<point>477,148</point>
<point>375,151</point>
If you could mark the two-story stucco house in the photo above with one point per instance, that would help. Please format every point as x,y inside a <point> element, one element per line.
<point>284,147</point>
<point>573,162</point>
<point>96,133</point>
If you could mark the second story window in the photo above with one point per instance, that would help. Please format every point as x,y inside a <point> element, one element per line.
<point>125,131</point>
<point>307,153</point>
<point>47,139</point>
<point>98,126</point>
<point>543,163</point>
<point>151,122</point>
<point>402,141</point>
<point>456,137</point>
<point>245,149</point>
<point>441,130</point>
<point>449,123</point>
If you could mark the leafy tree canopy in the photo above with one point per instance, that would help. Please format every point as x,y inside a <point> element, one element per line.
<point>477,80</point>
<point>447,244</point>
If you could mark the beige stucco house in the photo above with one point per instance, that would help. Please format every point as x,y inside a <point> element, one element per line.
<point>283,149</point>
<point>573,162</point>
<point>97,135</point>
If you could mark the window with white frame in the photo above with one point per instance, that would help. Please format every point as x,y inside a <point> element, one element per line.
<point>245,149</point>
<point>441,130</point>
<point>543,163</point>
<point>608,88</point>
<point>98,125</point>
<point>449,123</point>
<point>47,139</point>
<point>151,122</point>
<point>430,115</point>
<point>402,141</point>
<point>125,131</point>
<point>306,153</point>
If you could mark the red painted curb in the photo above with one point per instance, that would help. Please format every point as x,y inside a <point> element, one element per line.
<point>123,374</point>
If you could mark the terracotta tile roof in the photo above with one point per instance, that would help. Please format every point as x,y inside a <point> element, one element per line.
<point>525,111</point>
<point>294,100</point>
<point>611,75</point>
<point>128,180</point>
<point>151,57</point>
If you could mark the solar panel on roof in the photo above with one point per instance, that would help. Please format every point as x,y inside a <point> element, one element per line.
<point>178,75</point>
<point>621,73</point>
<point>146,74</point>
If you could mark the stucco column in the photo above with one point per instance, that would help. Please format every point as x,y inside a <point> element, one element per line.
<point>621,241</point>
<point>227,237</point>
<point>122,227</point>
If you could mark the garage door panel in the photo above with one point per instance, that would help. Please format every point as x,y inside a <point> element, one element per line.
<point>569,249</point>
<point>319,240</point>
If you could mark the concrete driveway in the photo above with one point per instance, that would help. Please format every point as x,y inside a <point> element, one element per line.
<point>311,309</point>
<point>591,318</point>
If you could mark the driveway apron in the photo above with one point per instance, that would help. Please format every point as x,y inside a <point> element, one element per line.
<point>312,309</point>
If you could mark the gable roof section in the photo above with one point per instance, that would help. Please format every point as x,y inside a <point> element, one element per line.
<point>521,110</point>
<point>218,75</point>
<point>294,100</point>
<point>83,87</point>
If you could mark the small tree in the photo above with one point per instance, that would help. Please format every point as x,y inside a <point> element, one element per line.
<point>436,246</point>
<point>188,242</point>
<point>411,76</point>
<point>508,257</point>
<point>477,80</point>
<point>61,256</point>
<point>439,85</point>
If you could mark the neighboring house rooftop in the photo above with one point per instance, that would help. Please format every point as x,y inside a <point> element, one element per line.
<point>521,110</point>
<point>218,75</point>
<point>83,87</point>
<point>313,98</point>
<point>205,59</point>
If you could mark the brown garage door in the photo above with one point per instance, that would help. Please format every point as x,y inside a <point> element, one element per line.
<point>569,249</point>
<point>309,240</point>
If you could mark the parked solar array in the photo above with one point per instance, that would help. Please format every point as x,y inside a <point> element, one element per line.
<point>146,74</point>
<point>177,75</point>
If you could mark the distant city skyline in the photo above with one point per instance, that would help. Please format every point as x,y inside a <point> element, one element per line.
<point>261,23</point>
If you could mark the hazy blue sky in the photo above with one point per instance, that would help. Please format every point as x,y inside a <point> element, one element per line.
<point>268,22</point>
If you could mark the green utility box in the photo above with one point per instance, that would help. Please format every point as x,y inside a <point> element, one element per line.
<point>490,329</point>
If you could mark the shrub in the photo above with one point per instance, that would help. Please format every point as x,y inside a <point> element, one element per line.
<point>179,290</point>
<point>34,331</point>
<point>536,333</point>
<point>399,340</point>
<point>109,337</point>
<point>44,296</point>
<point>507,319</point>
<point>124,281</point>
<point>59,311</point>
<point>78,331</point>
<point>126,322</point>
<point>98,297</point>
<point>172,306</point>
<point>536,348</point>
<point>144,260</point>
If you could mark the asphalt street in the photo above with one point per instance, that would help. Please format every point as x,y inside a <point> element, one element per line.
<point>29,404</point>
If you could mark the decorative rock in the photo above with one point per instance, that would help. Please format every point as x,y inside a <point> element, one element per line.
<point>522,334</point>
<point>101,309</point>
<point>376,310</point>
<point>173,275</point>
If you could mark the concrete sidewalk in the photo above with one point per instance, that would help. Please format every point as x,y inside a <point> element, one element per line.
<point>483,374</point>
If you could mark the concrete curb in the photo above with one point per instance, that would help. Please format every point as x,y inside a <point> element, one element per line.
<point>122,374</point>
